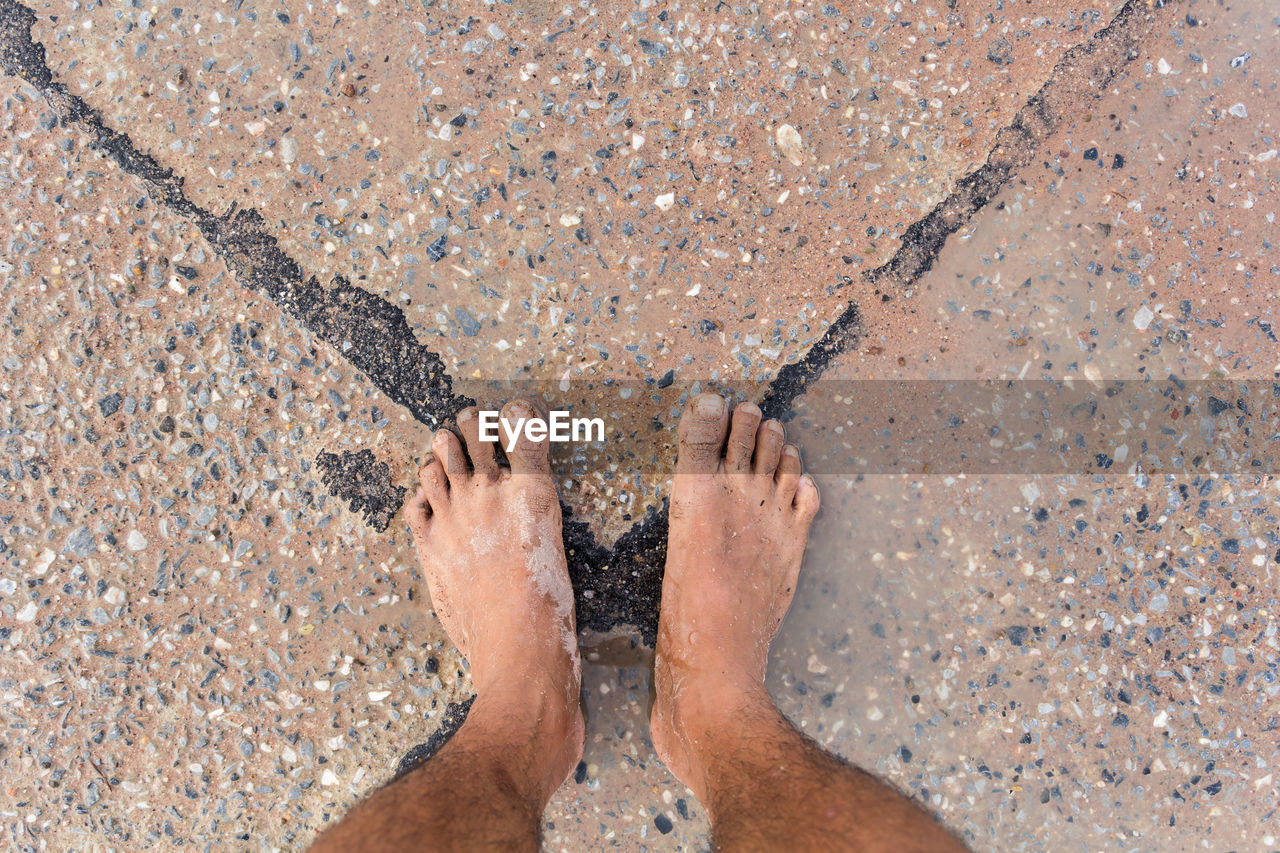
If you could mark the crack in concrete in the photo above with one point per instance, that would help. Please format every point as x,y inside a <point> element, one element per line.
<point>622,585</point>
<point>382,344</point>
<point>1097,61</point>
<point>619,585</point>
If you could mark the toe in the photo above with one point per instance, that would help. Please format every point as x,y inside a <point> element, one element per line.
<point>702,428</point>
<point>788,476</point>
<point>483,460</point>
<point>742,438</point>
<point>448,449</point>
<point>433,482</point>
<point>527,456</point>
<point>418,513</point>
<point>769,440</point>
<point>807,499</point>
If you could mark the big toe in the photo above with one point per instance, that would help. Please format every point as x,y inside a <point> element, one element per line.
<point>702,432</point>
<point>526,456</point>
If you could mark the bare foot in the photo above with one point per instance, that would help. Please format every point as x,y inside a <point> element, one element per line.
<point>740,514</point>
<point>489,540</point>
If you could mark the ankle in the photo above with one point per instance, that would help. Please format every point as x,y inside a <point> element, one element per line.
<point>717,706</point>
<point>525,711</point>
<point>707,722</point>
<point>527,674</point>
<point>525,737</point>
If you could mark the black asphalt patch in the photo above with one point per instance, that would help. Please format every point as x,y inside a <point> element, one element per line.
<point>364,483</point>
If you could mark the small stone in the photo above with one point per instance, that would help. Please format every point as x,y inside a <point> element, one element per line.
<point>328,778</point>
<point>1238,110</point>
<point>378,695</point>
<point>666,201</point>
<point>27,613</point>
<point>288,150</point>
<point>348,90</point>
<point>470,325</point>
<point>436,249</point>
<point>654,48</point>
<point>115,596</point>
<point>1000,51</point>
<point>790,144</point>
<point>110,404</point>
<point>80,542</point>
<point>1142,318</point>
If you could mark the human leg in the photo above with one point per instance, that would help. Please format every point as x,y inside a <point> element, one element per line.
<point>740,514</point>
<point>489,540</point>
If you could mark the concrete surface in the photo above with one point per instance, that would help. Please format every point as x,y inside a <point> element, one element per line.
<point>214,630</point>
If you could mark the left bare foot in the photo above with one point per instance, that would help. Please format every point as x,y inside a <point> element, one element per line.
<point>489,541</point>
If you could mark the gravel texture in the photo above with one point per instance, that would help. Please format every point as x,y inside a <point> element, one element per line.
<point>252,254</point>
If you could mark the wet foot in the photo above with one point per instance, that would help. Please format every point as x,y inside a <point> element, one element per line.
<point>740,514</point>
<point>489,541</point>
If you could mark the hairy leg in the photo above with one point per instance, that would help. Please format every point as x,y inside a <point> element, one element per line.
<point>489,540</point>
<point>740,514</point>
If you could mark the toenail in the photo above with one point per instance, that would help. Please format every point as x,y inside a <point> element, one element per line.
<point>709,405</point>
<point>438,437</point>
<point>775,426</point>
<point>521,409</point>
<point>466,414</point>
<point>790,450</point>
<point>749,407</point>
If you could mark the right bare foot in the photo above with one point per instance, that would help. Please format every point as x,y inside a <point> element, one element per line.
<point>739,518</point>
